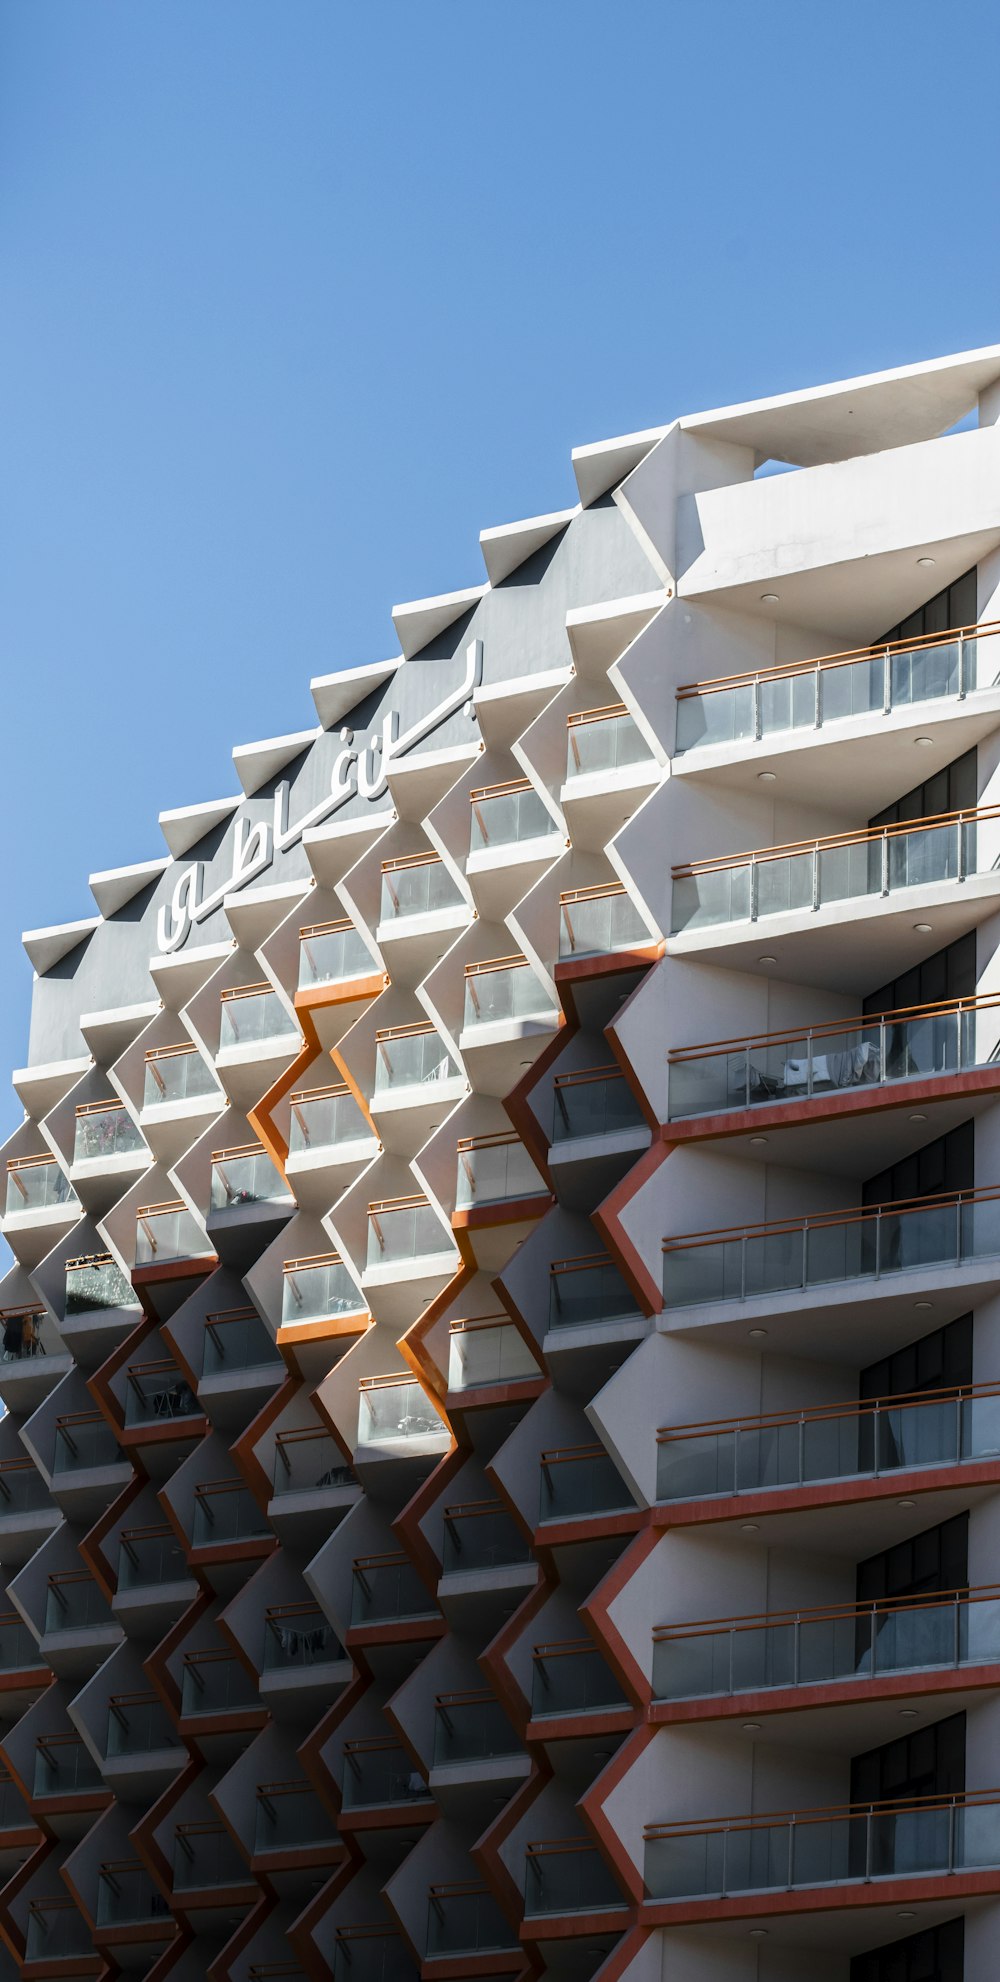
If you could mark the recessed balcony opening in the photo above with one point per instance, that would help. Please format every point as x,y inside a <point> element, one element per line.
<point>332,953</point>
<point>402,1229</point>
<point>126,1896</point>
<point>324,1118</point>
<point>481,1534</point>
<point>417,884</point>
<point>13,1814</point>
<point>22,1489</point>
<point>495,1169</point>
<point>138,1724</point>
<point>73,1602</point>
<point>18,1646</point>
<point>317,1288</point>
<point>297,1637</point>
<point>289,1815</point>
<point>156,1393</point>
<point>501,990</point>
<point>387,1588</point>
<point>23,1333</point>
<point>600,742</point>
<point>95,1283</point>
<point>166,1232</point>
<point>395,1407</point>
<point>570,1677</point>
<point>471,1727</point>
<point>253,1015</point>
<point>245,1175</point>
<point>371,1954</point>
<point>225,1511</point>
<point>506,815</point>
<point>105,1131</point>
<point>216,1683</point>
<point>206,1857</point>
<point>593,1101</point>
<point>84,1440</point>
<point>379,1771</point>
<point>150,1556</point>
<point>587,1292</point>
<point>581,1480</point>
<point>597,921</point>
<point>464,1918</point>
<point>57,1931</point>
<point>36,1184</point>
<point>411,1056</point>
<point>488,1350</point>
<point>64,1767</point>
<point>236,1339</point>
<point>177,1073</point>
<point>568,1876</point>
<point>307,1460</point>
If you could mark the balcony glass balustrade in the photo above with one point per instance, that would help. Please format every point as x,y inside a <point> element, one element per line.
<point>237,1339</point>
<point>471,1727</point>
<point>579,1481</point>
<point>206,1857</point>
<point>371,1954</point>
<point>84,1439</point>
<point>410,1056</point>
<point>596,1101</point>
<point>603,740</point>
<point>572,1678</point>
<point>882,862</point>
<point>324,1118</point>
<point>167,1232</point>
<point>148,1557</point>
<point>586,1291</point>
<point>57,1931</point>
<point>156,1393</point>
<point>138,1724</point>
<point>419,884</point>
<point>488,1350</point>
<point>26,1334</point>
<point>379,1771</point>
<point>494,1169</point>
<point>64,1767</point>
<point>73,1602</point>
<point>297,1636</point>
<point>95,1281</point>
<point>404,1228</point>
<point>387,1588</point>
<point>941,1631</point>
<point>918,1043</point>
<point>318,1288</point>
<point>503,990</point>
<point>36,1183</point>
<point>831,1249</point>
<point>811,694</point>
<point>177,1073</point>
<point>126,1896</point>
<point>22,1489</point>
<point>253,1015</point>
<point>330,952</point>
<point>465,1919</point>
<point>596,921</point>
<point>290,1816</point>
<point>223,1513</point>
<point>216,1683</point>
<point>105,1129</point>
<point>307,1460</point>
<point>568,1877</point>
<point>481,1534</point>
<point>850,1845</point>
<point>505,815</point>
<point>18,1646</point>
<point>393,1407</point>
<point>13,1814</point>
<point>829,1442</point>
<point>245,1176</point>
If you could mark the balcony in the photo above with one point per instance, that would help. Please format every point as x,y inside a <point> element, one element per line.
<point>245,1176</point>
<point>57,1932</point>
<point>226,1513</point>
<point>599,921</point>
<point>471,1727</point>
<point>26,1511</point>
<point>581,1482</point>
<point>504,991</point>
<point>504,816</point>
<point>417,884</point>
<point>207,1859</point>
<point>494,1170</point>
<point>388,1589</point>
<point>236,1342</point>
<point>840,1644</point>
<point>327,1133</point>
<point>465,1919</point>
<point>487,1351</point>
<point>64,1767</point>
<point>572,1678</point>
<point>108,1149</point>
<point>19,1651</point>
<point>481,1534</point>
<point>127,1897</point>
<point>406,1241</point>
<point>157,1394</point>
<point>594,1101</point>
<point>333,953</point>
<point>37,1185</point>
<point>832,1249</point>
<point>568,1876</point>
<point>380,1772</point>
<point>924,1042</point>
<point>166,1234</point>
<point>14,1815</point>
<point>603,742</point>
<point>307,1460</point>
<point>410,1056</point>
<point>180,1091</point>
<point>253,1016</point>
<point>789,1449</point>
<point>84,1442</point>
<point>290,1817</point>
<point>149,1557</point>
<point>73,1602</point>
<point>217,1683</point>
<point>609,767</point>
<point>394,1409</point>
<point>371,1954</point>
<point>101,1305</point>
<point>850,1845</point>
<point>589,1292</point>
<point>318,1290</point>
<point>139,1724</point>
<point>297,1637</point>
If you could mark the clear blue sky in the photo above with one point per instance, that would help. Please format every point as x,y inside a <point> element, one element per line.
<point>297,296</point>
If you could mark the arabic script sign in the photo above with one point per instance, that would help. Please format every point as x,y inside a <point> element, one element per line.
<point>359,770</point>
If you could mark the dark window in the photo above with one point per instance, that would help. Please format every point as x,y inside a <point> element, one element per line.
<point>953,789</point>
<point>945,1165</point>
<point>937,1559</point>
<point>928,1762</point>
<point>956,605</point>
<point>949,973</point>
<point>939,1361</point>
<point>937,1954</point>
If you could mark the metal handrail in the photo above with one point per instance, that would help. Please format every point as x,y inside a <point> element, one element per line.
<point>822,842</point>
<point>848,657</point>
<point>500,1138</point>
<point>584,1263</point>
<point>394,1381</point>
<point>707,1627</point>
<point>598,893</point>
<point>411,860</point>
<point>961,1799</point>
<point>901,1207</point>
<point>829,1027</point>
<point>488,965</point>
<point>482,793</point>
<point>912,1400</point>
<point>566,1455</point>
<point>468,1326</point>
<point>416,1030</point>
<point>246,991</point>
<point>307,1261</point>
<point>587,1074</point>
<point>334,928</point>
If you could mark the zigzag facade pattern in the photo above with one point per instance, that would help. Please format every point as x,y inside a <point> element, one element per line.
<point>499,1474</point>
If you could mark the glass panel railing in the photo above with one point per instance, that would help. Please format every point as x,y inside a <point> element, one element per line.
<point>96,1281</point>
<point>506,815</point>
<point>83,1440</point>
<point>572,1679</point>
<point>482,1352</point>
<point>420,886</point>
<point>827,1059</point>
<point>465,1919</point>
<point>406,1057</point>
<point>494,1168</point>
<point>36,1183</point>
<point>379,1772</point>
<point>57,1931</point>
<point>64,1767</point>
<point>288,1815</point>
<point>308,1461</point>
<point>237,1340</point>
<point>587,1291</point>
<point>471,1727</point>
<point>318,1289</point>
<point>854,1441</point>
<point>103,1130</point>
<point>13,1812</point>
<point>834,1847</point>
<point>603,740</point>
<point>568,1878</point>
<point>177,1073</point>
<point>401,1229</point>
<point>224,1513</point>
<point>503,992</point>
<point>216,1683</point>
<point>581,1481</point>
<point>167,1231</point>
<point>22,1489</point>
<point>387,1588</point>
<point>245,1176</point>
<point>836,687</point>
<point>206,1857</point>
<point>18,1646</point>
<point>594,1102</point>
<point>395,1407</point>
<point>253,1017</point>
<point>27,1333</point>
<point>847,867</point>
<point>297,1636</point>
<point>594,921</point>
<point>371,1954</point>
<point>323,1118</point>
<point>126,1896</point>
<point>148,1557</point>
<point>481,1534</point>
<point>73,1602</point>
<point>830,1250</point>
<point>138,1724</point>
<point>331,951</point>
<point>156,1393</point>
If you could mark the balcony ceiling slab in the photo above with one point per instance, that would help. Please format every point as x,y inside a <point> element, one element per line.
<point>858,1145</point>
<point>840,1928</point>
